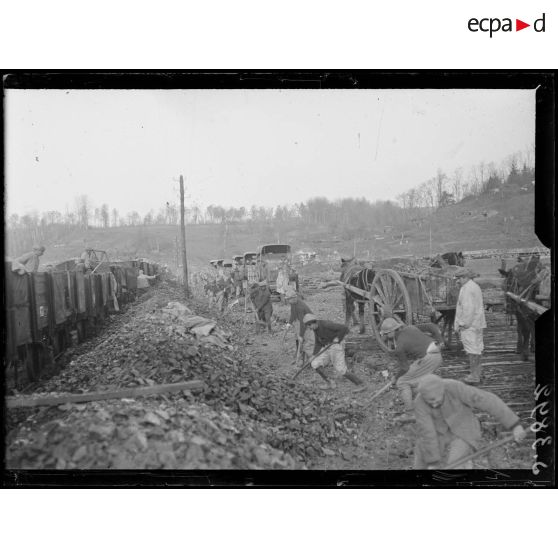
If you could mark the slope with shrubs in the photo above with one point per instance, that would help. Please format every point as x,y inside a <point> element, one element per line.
<point>483,222</point>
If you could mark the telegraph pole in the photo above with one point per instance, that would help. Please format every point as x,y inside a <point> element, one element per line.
<point>430,234</point>
<point>183,238</point>
<point>225,235</point>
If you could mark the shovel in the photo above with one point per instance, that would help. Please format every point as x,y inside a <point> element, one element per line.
<point>482,451</point>
<point>323,350</point>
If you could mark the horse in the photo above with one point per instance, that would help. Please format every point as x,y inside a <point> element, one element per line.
<point>449,258</point>
<point>522,280</point>
<point>352,273</point>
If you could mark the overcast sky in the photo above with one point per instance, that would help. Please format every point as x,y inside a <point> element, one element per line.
<point>242,147</point>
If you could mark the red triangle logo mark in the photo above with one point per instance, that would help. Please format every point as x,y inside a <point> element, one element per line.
<point>519,25</point>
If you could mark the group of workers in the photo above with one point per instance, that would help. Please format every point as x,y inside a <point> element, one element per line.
<point>30,261</point>
<point>446,427</point>
<point>87,262</point>
<point>235,283</point>
<point>443,409</point>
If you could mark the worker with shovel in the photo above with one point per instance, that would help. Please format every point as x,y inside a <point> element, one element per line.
<point>329,347</point>
<point>446,427</point>
<point>298,310</point>
<point>417,348</point>
<point>261,299</point>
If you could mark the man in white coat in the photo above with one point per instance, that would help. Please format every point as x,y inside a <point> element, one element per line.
<point>470,321</point>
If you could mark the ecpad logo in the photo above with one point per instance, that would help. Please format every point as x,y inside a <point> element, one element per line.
<point>493,25</point>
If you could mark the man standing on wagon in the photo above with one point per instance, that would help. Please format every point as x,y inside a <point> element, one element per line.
<point>417,348</point>
<point>29,262</point>
<point>470,321</point>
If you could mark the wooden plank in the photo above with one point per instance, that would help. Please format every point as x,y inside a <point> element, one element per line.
<point>355,290</point>
<point>543,252</point>
<point>491,363</point>
<point>130,393</point>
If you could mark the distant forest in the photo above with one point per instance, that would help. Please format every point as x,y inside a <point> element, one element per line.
<point>345,217</point>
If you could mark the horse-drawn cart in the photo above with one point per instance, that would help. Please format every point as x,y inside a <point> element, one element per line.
<point>410,294</point>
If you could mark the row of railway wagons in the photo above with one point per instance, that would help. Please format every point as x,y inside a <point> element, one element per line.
<point>47,312</point>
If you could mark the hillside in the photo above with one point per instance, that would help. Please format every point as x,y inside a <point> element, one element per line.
<point>474,224</point>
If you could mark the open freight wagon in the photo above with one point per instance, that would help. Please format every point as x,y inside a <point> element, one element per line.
<point>47,312</point>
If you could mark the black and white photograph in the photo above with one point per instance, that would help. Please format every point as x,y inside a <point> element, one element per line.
<point>318,278</point>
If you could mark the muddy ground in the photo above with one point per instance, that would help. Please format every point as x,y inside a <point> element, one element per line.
<point>251,414</point>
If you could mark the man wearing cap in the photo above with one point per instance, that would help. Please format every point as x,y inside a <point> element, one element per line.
<point>261,299</point>
<point>446,426</point>
<point>29,262</point>
<point>470,321</point>
<point>329,342</point>
<point>298,310</point>
<point>417,348</point>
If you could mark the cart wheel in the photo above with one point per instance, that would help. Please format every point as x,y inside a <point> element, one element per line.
<point>388,289</point>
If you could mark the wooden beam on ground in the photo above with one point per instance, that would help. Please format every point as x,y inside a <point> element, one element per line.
<point>490,363</point>
<point>17,402</point>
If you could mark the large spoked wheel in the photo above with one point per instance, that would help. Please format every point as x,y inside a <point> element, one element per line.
<point>388,294</point>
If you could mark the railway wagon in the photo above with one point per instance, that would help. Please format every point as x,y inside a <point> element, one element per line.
<point>47,312</point>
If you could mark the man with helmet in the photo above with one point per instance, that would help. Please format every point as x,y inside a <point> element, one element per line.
<point>417,349</point>
<point>329,343</point>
